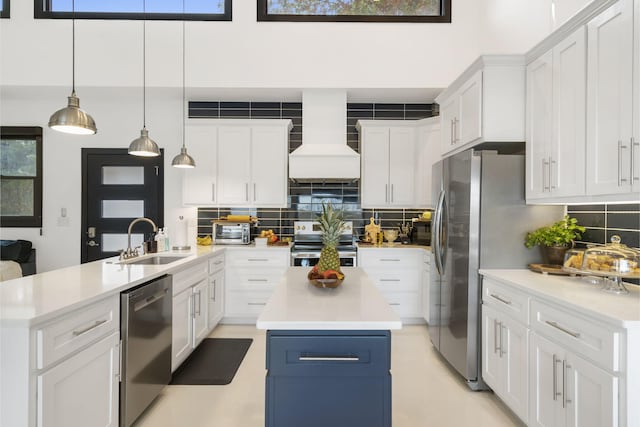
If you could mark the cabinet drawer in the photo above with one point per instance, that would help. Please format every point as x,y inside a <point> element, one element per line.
<point>389,258</point>
<point>216,263</point>
<point>506,299</point>
<point>328,355</point>
<point>248,279</point>
<point>245,303</point>
<point>258,258</point>
<point>405,304</point>
<point>585,337</point>
<point>74,331</point>
<point>189,277</point>
<point>395,280</point>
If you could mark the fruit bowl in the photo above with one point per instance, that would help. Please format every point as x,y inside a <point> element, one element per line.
<point>318,280</point>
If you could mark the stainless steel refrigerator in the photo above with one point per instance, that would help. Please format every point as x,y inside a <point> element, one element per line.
<point>480,221</point>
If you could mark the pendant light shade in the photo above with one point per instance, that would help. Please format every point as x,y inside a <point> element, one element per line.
<point>144,146</point>
<point>183,160</point>
<point>72,119</point>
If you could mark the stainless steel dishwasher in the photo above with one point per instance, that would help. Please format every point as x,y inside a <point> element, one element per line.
<point>145,328</point>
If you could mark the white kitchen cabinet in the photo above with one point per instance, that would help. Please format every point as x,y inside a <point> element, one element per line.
<point>635,148</point>
<point>82,391</point>
<point>566,390</point>
<point>556,104</point>
<point>426,285</point>
<point>190,311</point>
<point>199,185</point>
<point>484,104</point>
<point>610,101</point>
<point>251,275</point>
<point>216,291</point>
<point>397,273</point>
<point>252,164</point>
<point>387,151</point>
<point>427,153</point>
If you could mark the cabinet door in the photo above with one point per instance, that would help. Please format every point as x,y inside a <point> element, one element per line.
<point>448,124</point>
<point>545,383</point>
<point>610,100</point>
<point>426,292</point>
<point>181,328</point>
<point>375,167</point>
<point>269,166</point>
<point>427,153</point>
<point>491,364</point>
<point>402,143</point>
<point>635,154</point>
<point>470,121</point>
<point>82,391</point>
<point>567,155</point>
<point>199,184</point>
<point>200,311</point>
<point>591,395</point>
<point>234,165</point>
<point>539,118</point>
<point>216,291</point>
<point>513,349</point>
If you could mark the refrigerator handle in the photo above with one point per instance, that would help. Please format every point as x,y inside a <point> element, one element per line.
<point>444,232</point>
<point>436,233</point>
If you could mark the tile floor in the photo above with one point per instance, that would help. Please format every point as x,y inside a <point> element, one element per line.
<point>425,391</point>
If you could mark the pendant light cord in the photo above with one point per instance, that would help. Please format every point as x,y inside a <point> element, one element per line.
<point>183,76</point>
<point>144,64</point>
<point>73,47</point>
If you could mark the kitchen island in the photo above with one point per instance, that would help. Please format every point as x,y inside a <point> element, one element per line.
<point>328,353</point>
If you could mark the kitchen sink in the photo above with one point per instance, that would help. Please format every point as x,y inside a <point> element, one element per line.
<point>154,260</point>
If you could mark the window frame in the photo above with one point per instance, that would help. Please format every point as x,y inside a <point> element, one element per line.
<point>6,9</point>
<point>40,12</point>
<point>34,221</point>
<point>263,16</point>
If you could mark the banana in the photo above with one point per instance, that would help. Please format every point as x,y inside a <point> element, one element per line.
<point>204,241</point>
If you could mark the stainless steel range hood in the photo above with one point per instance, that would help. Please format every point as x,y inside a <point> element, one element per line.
<point>324,154</point>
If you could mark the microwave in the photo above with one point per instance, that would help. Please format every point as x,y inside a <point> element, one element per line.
<point>231,233</point>
<point>421,233</point>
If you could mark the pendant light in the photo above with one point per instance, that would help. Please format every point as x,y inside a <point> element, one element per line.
<point>183,160</point>
<point>143,145</point>
<point>72,119</point>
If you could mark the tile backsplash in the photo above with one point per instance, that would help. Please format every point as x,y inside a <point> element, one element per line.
<point>604,221</point>
<point>306,198</point>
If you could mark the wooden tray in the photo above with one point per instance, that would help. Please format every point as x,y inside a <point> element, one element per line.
<point>548,269</point>
<point>278,243</point>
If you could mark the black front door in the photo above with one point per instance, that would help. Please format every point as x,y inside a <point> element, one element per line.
<point>117,188</point>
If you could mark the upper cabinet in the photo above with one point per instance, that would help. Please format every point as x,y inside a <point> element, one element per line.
<point>387,149</point>
<point>556,108</point>
<point>583,108</point>
<point>427,149</point>
<point>485,104</point>
<point>238,163</point>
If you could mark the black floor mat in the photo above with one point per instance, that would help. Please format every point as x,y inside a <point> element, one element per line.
<point>214,362</point>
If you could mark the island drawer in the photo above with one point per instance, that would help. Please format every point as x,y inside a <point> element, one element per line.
<point>317,354</point>
<point>70,333</point>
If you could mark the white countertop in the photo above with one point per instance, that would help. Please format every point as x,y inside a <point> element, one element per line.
<point>394,245</point>
<point>354,305</point>
<point>37,298</point>
<point>576,294</point>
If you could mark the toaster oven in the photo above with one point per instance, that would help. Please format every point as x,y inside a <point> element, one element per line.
<point>231,233</point>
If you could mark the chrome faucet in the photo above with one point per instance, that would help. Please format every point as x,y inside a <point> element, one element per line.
<point>129,253</point>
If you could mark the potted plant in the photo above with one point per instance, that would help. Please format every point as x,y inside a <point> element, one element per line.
<point>555,239</point>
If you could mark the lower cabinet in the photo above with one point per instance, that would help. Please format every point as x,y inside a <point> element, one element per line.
<point>190,311</point>
<point>504,359</point>
<point>426,285</point>
<point>328,378</point>
<point>567,390</point>
<point>216,291</point>
<point>82,391</point>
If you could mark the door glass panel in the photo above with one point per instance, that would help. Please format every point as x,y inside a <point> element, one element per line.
<point>122,208</point>
<point>116,242</point>
<point>123,175</point>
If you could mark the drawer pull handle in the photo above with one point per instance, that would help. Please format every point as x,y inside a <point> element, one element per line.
<point>88,328</point>
<point>257,280</point>
<point>329,358</point>
<point>499,298</point>
<point>389,280</point>
<point>394,303</point>
<point>257,303</point>
<point>218,262</point>
<point>390,259</point>
<point>258,259</point>
<point>566,331</point>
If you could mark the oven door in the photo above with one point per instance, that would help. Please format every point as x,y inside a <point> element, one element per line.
<point>309,259</point>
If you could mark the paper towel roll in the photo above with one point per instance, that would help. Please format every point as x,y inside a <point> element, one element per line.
<point>180,238</point>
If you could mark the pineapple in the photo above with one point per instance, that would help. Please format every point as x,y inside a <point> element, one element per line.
<point>332,225</point>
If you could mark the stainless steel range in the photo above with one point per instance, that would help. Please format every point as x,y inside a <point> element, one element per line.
<point>307,244</point>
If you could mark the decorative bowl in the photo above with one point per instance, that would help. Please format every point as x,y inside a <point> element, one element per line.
<point>326,283</point>
<point>390,234</point>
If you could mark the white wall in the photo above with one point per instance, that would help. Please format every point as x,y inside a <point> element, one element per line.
<point>35,78</point>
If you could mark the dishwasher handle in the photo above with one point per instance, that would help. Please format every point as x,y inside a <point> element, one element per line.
<point>150,300</point>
